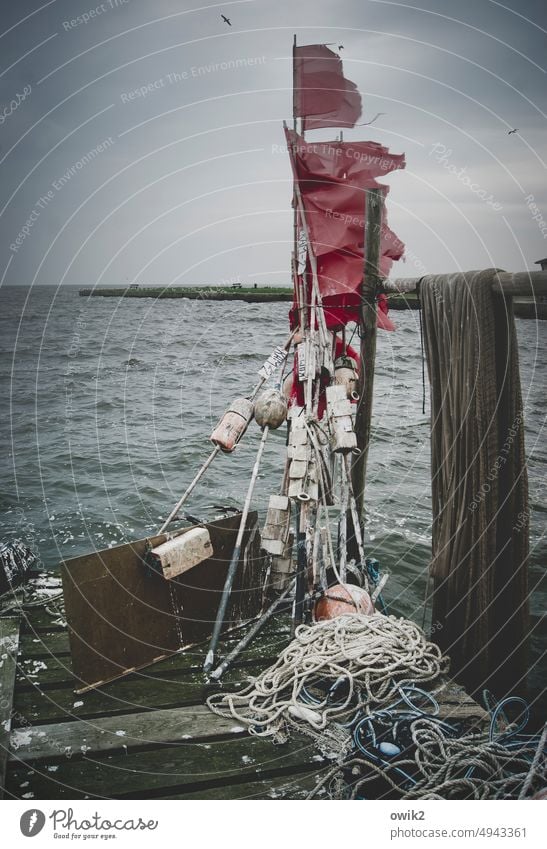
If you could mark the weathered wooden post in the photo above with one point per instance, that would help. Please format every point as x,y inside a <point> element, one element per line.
<point>367,328</point>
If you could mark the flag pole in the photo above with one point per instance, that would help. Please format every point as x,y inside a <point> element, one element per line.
<point>300,300</point>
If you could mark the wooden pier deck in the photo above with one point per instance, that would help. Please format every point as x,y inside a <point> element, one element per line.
<point>150,735</point>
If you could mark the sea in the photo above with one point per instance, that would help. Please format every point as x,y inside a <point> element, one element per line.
<point>109,404</point>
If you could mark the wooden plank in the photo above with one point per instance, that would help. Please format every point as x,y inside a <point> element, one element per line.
<point>9,646</point>
<point>293,788</point>
<point>126,732</point>
<point>51,672</point>
<point>44,644</point>
<point>40,704</point>
<point>165,771</point>
<point>457,705</point>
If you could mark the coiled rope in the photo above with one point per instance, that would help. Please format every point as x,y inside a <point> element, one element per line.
<point>446,767</point>
<point>364,657</point>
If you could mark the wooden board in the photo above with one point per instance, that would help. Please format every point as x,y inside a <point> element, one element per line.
<point>191,766</point>
<point>128,732</point>
<point>9,646</point>
<point>122,616</point>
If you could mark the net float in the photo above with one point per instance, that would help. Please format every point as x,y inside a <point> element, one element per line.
<point>345,374</point>
<point>341,600</point>
<point>270,409</point>
<point>233,424</point>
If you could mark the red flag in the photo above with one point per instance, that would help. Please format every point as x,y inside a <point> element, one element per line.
<point>342,162</point>
<point>332,177</point>
<point>323,97</point>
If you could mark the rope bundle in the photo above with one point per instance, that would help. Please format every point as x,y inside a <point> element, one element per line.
<point>469,767</point>
<point>369,655</point>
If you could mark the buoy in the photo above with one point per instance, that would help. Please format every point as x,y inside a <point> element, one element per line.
<point>342,599</point>
<point>271,409</point>
<point>345,374</point>
<point>233,424</point>
<point>389,749</point>
<point>288,385</point>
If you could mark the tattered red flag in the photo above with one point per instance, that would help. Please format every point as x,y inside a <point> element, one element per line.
<point>323,97</point>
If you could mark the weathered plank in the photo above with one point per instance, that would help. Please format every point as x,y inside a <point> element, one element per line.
<point>294,788</point>
<point>44,644</point>
<point>55,673</point>
<point>41,704</point>
<point>9,645</point>
<point>457,705</point>
<point>126,732</point>
<point>194,767</point>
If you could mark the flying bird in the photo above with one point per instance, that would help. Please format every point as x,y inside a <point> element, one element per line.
<point>226,20</point>
<point>510,133</point>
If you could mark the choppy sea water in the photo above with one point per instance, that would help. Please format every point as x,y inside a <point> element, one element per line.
<point>109,403</point>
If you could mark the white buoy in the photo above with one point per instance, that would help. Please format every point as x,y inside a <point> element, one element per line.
<point>271,409</point>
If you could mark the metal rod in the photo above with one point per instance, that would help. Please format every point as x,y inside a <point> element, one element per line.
<point>301,568</point>
<point>197,478</point>
<point>369,288</point>
<point>343,526</point>
<point>247,639</point>
<point>232,568</point>
<point>355,515</point>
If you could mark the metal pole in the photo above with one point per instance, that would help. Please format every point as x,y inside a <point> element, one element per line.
<point>232,568</point>
<point>301,568</point>
<point>244,642</point>
<point>369,289</point>
<point>197,478</point>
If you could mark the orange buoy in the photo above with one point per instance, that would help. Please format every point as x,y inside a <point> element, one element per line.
<point>233,424</point>
<point>343,599</point>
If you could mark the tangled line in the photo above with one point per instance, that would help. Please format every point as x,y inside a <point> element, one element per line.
<point>442,767</point>
<point>364,657</point>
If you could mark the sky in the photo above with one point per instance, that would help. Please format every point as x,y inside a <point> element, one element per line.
<point>142,142</point>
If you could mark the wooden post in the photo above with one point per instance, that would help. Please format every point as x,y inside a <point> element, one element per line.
<point>369,288</point>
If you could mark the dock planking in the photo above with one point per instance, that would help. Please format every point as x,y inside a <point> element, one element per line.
<point>149,735</point>
<point>9,646</point>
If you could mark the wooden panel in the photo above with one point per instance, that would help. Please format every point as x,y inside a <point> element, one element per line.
<point>122,616</point>
<point>9,645</point>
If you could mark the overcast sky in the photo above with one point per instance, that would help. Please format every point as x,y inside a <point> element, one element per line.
<point>167,124</point>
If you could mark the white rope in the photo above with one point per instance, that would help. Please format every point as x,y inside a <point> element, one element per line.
<point>467,767</point>
<point>373,654</point>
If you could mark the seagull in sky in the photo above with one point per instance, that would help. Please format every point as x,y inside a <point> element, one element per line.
<point>226,20</point>
<point>510,133</point>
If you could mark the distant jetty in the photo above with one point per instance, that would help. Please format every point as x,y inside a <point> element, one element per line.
<point>258,295</point>
<point>524,308</point>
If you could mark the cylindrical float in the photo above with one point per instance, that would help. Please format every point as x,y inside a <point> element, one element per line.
<point>233,424</point>
<point>345,374</point>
